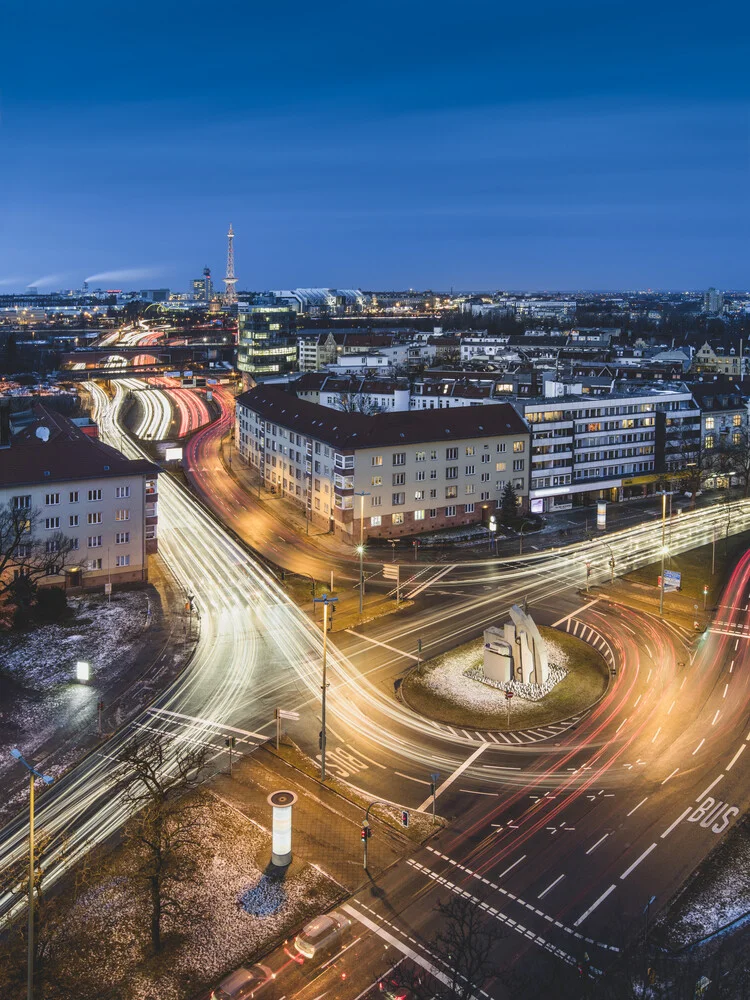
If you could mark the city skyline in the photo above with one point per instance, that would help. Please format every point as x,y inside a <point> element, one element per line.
<point>548,149</point>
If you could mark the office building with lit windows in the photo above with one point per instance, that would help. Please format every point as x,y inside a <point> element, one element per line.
<point>627,443</point>
<point>419,471</point>
<point>266,343</point>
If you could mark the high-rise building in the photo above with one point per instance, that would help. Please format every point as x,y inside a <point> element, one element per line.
<point>266,344</point>
<point>713,302</point>
<point>203,288</point>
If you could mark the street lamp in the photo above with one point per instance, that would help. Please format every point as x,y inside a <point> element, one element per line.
<point>33,773</point>
<point>325,600</point>
<point>664,552</point>
<point>361,547</point>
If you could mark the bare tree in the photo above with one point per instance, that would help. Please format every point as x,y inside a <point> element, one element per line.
<point>25,555</point>
<point>463,947</point>
<point>164,834</point>
<point>357,402</point>
<point>735,459</point>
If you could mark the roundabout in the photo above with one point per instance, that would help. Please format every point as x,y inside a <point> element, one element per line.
<point>451,688</point>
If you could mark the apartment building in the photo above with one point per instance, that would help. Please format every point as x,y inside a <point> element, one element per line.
<point>607,447</point>
<point>392,473</point>
<point>72,484</point>
<point>353,393</point>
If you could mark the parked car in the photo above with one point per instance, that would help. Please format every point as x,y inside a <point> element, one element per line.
<point>242,984</point>
<point>323,936</point>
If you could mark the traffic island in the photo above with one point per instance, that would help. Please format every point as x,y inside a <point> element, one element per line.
<point>448,689</point>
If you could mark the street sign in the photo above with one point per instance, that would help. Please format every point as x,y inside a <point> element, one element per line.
<point>672,580</point>
<point>281,713</point>
<point>390,571</point>
<point>508,694</point>
<point>404,817</point>
<point>107,588</point>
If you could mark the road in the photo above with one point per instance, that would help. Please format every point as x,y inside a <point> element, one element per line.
<point>564,833</point>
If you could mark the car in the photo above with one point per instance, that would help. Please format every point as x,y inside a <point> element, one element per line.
<point>257,981</point>
<point>390,990</point>
<point>322,937</point>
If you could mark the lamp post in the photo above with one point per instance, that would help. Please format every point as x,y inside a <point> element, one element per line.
<point>325,600</point>
<point>361,547</point>
<point>33,773</point>
<point>664,552</point>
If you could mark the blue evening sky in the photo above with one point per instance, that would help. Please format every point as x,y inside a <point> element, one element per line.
<point>547,145</point>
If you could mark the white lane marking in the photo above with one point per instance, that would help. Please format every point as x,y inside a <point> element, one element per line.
<point>671,707</point>
<point>637,861</point>
<point>594,905</point>
<point>452,777</point>
<point>637,807</point>
<point>714,782</point>
<point>730,765</point>
<point>498,888</point>
<point>360,754</point>
<point>656,734</point>
<point>670,776</point>
<point>621,725</point>
<point>576,612</point>
<point>649,675</point>
<point>737,642</point>
<point>699,746</point>
<point>377,642</point>
<point>205,722</point>
<point>550,886</point>
<point>518,927</point>
<point>677,822</point>
<point>399,945</point>
<point>726,688</point>
<point>522,858</point>
<point>635,703</point>
<point>599,841</point>
<point>718,713</point>
<point>473,791</point>
<point>419,781</point>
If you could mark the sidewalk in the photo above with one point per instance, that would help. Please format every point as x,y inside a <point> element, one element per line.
<point>326,825</point>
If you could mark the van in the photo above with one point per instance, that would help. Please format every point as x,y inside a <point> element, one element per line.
<point>323,936</point>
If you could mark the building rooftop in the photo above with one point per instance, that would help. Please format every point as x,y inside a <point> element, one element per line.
<point>51,449</point>
<point>356,430</point>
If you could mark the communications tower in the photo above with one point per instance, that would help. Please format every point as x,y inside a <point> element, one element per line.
<point>230,295</point>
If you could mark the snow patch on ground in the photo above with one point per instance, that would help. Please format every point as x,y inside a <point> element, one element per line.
<point>459,677</point>
<point>239,909</point>
<point>46,656</point>
<point>718,895</point>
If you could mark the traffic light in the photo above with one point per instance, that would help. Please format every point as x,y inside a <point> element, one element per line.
<point>364,833</point>
<point>404,817</point>
<point>231,742</point>
<point>320,740</point>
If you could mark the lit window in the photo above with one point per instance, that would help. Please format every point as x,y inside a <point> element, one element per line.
<point>397,518</point>
<point>419,515</point>
<point>519,446</point>
<point>376,521</point>
<point>709,442</point>
<point>377,460</point>
<point>710,422</point>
